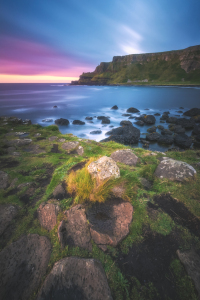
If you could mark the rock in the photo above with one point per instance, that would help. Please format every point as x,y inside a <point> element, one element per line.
<point>191,261</point>
<point>34,149</point>
<point>7,213</point>
<point>102,117</point>
<point>126,157</point>
<point>183,140</point>
<point>96,132</point>
<point>156,114</point>
<point>139,122</point>
<point>181,107</point>
<point>61,140</point>
<point>59,192</point>
<point>166,139</point>
<point>104,168</point>
<point>89,118</point>
<point>196,130</point>
<point>152,129</point>
<point>47,215</point>
<point>37,134</point>
<point>14,120</point>
<point>114,107</point>
<point>132,110</point>
<point>19,142</point>
<point>126,115</point>
<point>80,150</point>
<point>162,121</point>
<point>192,112</point>
<point>55,149</point>
<point>76,278</point>
<point>118,191</point>
<point>10,150</point>
<point>196,119</point>
<point>146,183</point>
<point>174,170</point>
<point>126,123</point>
<point>78,122</point>
<point>124,135</point>
<point>131,117</point>
<point>179,111</point>
<point>166,132</point>
<point>105,121</point>
<point>109,222</point>
<point>160,127</point>
<point>23,265</point>
<point>62,122</point>
<point>185,123</point>
<point>27,122</point>
<point>171,120</point>
<point>155,136</point>
<point>75,230</point>
<point>47,120</point>
<point>52,138</point>
<point>3,180</point>
<point>55,106</point>
<point>149,119</point>
<point>69,145</point>
<point>164,117</point>
<point>146,109</point>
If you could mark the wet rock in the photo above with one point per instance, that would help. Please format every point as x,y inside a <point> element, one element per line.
<point>47,120</point>
<point>196,129</point>
<point>59,192</point>
<point>152,129</point>
<point>171,120</point>
<point>62,122</point>
<point>105,121</point>
<point>126,123</point>
<point>162,121</point>
<point>196,119</point>
<point>166,132</point>
<point>96,132</point>
<point>132,110</point>
<point>7,213</point>
<point>69,145</point>
<point>160,127</point>
<point>47,214</point>
<point>146,183</point>
<point>3,180</point>
<point>23,264</point>
<point>52,138</point>
<point>89,118</point>
<point>104,168</point>
<point>78,122</point>
<point>114,107</point>
<point>156,114</point>
<point>139,122</point>
<point>131,117</point>
<point>185,123</point>
<point>166,139</point>
<point>126,115</point>
<point>149,119</point>
<point>76,278</point>
<point>191,261</point>
<point>174,170</point>
<point>164,117</point>
<point>55,106</point>
<point>75,230</point>
<point>183,140</point>
<point>19,142</point>
<point>179,130</point>
<point>124,135</point>
<point>109,222</point>
<point>126,157</point>
<point>192,112</point>
<point>155,136</point>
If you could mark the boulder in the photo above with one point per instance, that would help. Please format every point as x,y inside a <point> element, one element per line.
<point>78,122</point>
<point>192,112</point>
<point>160,127</point>
<point>139,122</point>
<point>196,130</point>
<point>23,265</point>
<point>153,137</point>
<point>59,192</point>
<point>183,140</point>
<point>19,142</point>
<point>174,170</point>
<point>3,180</point>
<point>164,117</point>
<point>149,119</point>
<point>131,117</point>
<point>69,145</point>
<point>132,110</point>
<point>166,139</point>
<point>47,214</point>
<point>102,117</point>
<point>104,168</point>
<point>126,115</point>
<point>96,132</point>
<point>166,132</point>
<point>191,261</point>
<point>80,150</point>
<point>55,106</point>
<point>105,121</point>
<point>126,123</point>
<point>152,129</point>
<point>76,278</point>
<point>196,119</point>
<point>114,107</point>
<point>126,157</point>
<point>52,138</point>
<point>185,123</point>
<point>156,114</point>
<point>124,135</point>
<point>61,140</point>
<point>7,213</point>
<point>89,118</point>
<point>109,222</point>
<point>171,120</point>
<point>75,230</point>
<point>62,122</point>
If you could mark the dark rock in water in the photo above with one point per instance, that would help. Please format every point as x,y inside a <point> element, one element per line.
<point>96,132</point>
<point>105,120</point>
<point>196,129</point>
<point>152,129</point>
<point>156,114</point>
<point>4,182</point>
<point>139,122</point>
<point>131,117</point>
<point>185,123</point>
<point>126,115</point>
<point>162,121</point>
<point>166,139</point>
<point>197,141</point>
<point>181,107</point>
<point>153,137</point>
<point>179,111</point>
<point>124,135</point>
<point>75,230</point>
<point>91,122</point>
<point>171,120</point>
<point>146,109</point>
<point>89,118</point>
<point>23,265</point>
<point>166,132</point>
<point>126,123</point>
<point>7,213</point>
<point>102,117</point>
<point>78,122</point>
<point>192,112</point>
<point>55,106</point>
<point>126,157</point>
<point>47,215</point>
<point>59,192</point>
<point>140,117</point>
<point>179,129</point>
<point>109,222</point>
<point>183,140</point>
<point>164,117</point>
<point>111,126</point>
<point>166,113</point>
<point>76,278</point>
<point>149,119</point>
<point>174,170</point>
<point>114,107</point>
<point>132,110</point>
<point>196,119</point>
<point>62,121</point>
<point>160,127</point>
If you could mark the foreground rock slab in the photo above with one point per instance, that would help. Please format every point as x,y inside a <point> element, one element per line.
<point>23,264</point>
<point>70,145</point>
<point>126,157</point>
<point>109,222</point>
<point>174,170</point>
<point>191,261</point>
<point>75,231</point>
<point>7,214</point>
<point>104,168</point>
<point>47,215</point>
<point>76,278</point>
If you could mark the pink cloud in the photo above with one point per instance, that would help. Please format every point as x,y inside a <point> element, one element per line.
<point>30,58</point>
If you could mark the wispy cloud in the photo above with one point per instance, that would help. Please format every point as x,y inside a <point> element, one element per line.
<point>130,40</point>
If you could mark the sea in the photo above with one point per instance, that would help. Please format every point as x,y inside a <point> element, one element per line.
<point>37,101</point>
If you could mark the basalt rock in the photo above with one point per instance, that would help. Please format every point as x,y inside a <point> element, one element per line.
<point>183,140</point>
<point>96,132</point>
<point>132,110</point>
<point>149,119</point>
<point>192,112</point>
<point>3,180</point>
<point>126,123</point>
<point>166,139</point>
<point>114,107</point>
<point>196,129</point>
<point>78,122</point>
<point>105,120</point>
<point>124,135</point>
<point>139,122</point>
<point>89,118</point>
<point>62,122</point>
<point>153,137</point>
<point>171,120</point>
<point>152,129</point>
<point>185,123</point>
<point>126,157</point>
<point>166,132</point>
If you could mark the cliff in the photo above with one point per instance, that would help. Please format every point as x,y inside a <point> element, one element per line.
<point>170,67</point>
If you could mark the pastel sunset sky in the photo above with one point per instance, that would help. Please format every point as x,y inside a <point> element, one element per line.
<point>57,40</point>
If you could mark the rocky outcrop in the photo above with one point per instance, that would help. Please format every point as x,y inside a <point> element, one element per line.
<point>174,170</point>
<point>76,278</point>
<point>47,214</point>
<point>19,142</point>
<point>7,213</point>
<point>153,137</point>
<point>126,157</point>
<point>124,135</point>
<point>185,123</point>
<point>114,107</point>
<point>23,264</point>
<point>148,119</point>
<point>192,112</point>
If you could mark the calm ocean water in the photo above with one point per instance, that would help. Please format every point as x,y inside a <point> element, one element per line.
<point>36,101</point>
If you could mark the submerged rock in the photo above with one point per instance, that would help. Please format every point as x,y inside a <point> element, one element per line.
<point>149,119</point>
<point>126,157</point>
<point>96,132</point>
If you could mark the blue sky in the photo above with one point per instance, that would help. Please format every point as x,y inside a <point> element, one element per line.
<point>64,38</point>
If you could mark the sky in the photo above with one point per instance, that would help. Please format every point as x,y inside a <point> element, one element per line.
<point>58,40</point>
